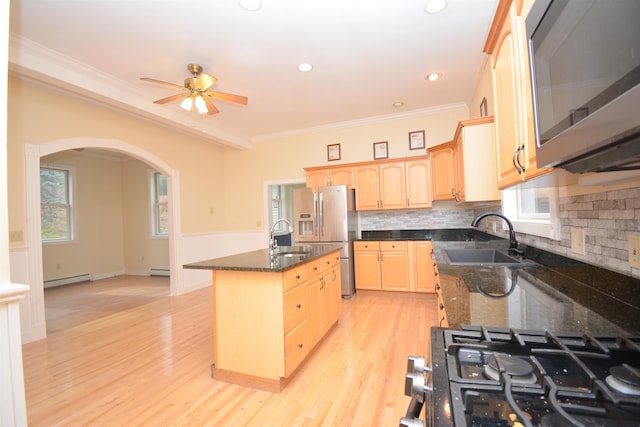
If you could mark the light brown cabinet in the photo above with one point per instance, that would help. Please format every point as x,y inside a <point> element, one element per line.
<point>418,180</point>
<point>380,186</point>
<point>424,265</point>
<point>515,134</point>
<point>442,171</point>
<point>326,176</point>
<point>382,265</point>
<point>474,161</point>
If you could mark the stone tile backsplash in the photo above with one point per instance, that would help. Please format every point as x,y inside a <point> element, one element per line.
<point>607,218</point>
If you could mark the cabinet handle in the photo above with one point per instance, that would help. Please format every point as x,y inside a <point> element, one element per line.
<point>328,262</point>
<point>441,306</point>
<point>437,286</point>
<point>435,273</point>
<point>521,150</point>
<point>300,345</point>
<point>298,305</point>
<point>441,320</point>
<point>297,277</point>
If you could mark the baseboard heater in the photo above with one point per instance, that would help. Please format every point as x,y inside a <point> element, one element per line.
<point>67,280</point>
<point>159,272</point>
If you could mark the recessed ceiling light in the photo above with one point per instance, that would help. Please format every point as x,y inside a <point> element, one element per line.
<point>398,104</point>
<point>305,67</point>
<point>432,77</point>
<point>250,5</point>
<point>435,6</point>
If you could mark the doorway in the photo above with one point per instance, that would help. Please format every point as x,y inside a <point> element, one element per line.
<point>33,153</point>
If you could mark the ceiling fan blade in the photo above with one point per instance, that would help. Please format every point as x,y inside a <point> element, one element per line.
<point>173,85</point>
<point>228,97</point>
<point>171,98</point>
<point>211,109</point>
<point>204,81</point>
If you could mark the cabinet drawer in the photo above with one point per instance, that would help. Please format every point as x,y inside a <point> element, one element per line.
<point>296,347</point>
<point>394,246</point>
<point>314,267</point>
<point>366,246</point>
<point>295,306</point>
<point>294,277</point>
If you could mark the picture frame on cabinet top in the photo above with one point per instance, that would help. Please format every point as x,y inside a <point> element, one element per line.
<point>380,150</point>
<point>416,140</point>
<point>333,152</point>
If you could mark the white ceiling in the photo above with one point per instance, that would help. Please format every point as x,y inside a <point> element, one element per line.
<point>367,54</point>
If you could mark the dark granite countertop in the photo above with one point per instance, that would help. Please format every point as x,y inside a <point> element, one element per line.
<point>285,258</point>
<point>544,292</point>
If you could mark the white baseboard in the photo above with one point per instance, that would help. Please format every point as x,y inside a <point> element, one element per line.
<point>67,280</point>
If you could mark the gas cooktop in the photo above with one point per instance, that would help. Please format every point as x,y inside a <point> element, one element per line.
<point>507,377</point>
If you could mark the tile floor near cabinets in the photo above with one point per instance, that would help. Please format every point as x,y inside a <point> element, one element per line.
<point>134,356</point>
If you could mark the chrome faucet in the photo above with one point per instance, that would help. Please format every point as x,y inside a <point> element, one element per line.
<point>513,243</point>
<point>272,241</point>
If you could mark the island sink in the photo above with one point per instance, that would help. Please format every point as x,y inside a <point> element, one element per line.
<point>479,257</point>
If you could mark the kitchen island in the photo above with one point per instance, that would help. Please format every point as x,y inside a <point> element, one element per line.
<point>270,310</point>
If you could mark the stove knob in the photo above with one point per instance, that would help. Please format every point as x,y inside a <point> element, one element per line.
<point>414,384</point>
<point>417,364</point>
<point>411,422</point>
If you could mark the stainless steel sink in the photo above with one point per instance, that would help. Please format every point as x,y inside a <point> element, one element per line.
<point>479,257</point>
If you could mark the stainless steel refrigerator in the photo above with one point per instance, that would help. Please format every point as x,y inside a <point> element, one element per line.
<point>327,215</point>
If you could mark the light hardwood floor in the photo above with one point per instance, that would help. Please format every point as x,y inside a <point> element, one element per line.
<point>128,354</point>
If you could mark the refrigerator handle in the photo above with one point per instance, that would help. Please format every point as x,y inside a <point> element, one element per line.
<point>321,215</point>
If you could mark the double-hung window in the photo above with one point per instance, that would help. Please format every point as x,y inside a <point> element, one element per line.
<point>56,204</point>
<point>160,205</point>
<point>533,211</point>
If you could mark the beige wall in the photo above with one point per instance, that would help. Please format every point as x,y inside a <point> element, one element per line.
<point>142,251</point>
<point>246,172</point>
<point>113,230</point>
<point>37,115</point>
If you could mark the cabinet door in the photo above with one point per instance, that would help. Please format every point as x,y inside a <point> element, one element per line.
<point>425,267</point>
<point>317,178</point>
<point>366,259</point>
<point>508,137</point>
<point>418,179</point>
<point>342,176</point>
<point>395,271</point>
<point>392,186</point>
<point>367,187</point>
<point>442,171</point>
<point>336,294</point>
<point>314,319</point>
<point>459,193</point>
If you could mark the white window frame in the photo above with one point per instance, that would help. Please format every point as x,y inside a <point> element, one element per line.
<point>543,227</point>
<point>71,210</point>
<point>155,205</point>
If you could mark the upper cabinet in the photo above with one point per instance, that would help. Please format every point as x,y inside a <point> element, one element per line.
<point>442,171</point>
<point>515,134</point>
<point>380,186</point>
<point>328,175</point>
<point>474,161</point>
<point>393,184</point>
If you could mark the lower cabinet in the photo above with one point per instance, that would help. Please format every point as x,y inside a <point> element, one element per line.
<point>382,265</point>
<point>407,266</point>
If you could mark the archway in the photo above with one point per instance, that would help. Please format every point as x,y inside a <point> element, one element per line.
<point>33,153</point>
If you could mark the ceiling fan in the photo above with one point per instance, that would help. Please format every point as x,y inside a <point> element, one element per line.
<point>195,92</point>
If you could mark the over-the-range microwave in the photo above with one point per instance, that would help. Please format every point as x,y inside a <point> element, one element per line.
<point>585,71</point>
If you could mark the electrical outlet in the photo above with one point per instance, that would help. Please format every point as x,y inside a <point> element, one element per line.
<point>634,250</point>
<point>577,241</point>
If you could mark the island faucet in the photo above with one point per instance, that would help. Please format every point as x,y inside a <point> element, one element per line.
<point>272,241</point>
<point>513,243</point>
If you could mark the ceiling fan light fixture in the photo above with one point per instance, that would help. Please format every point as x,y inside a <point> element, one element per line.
<point>187,104</point>
<point>200,105</point>
<point>305,67</point>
